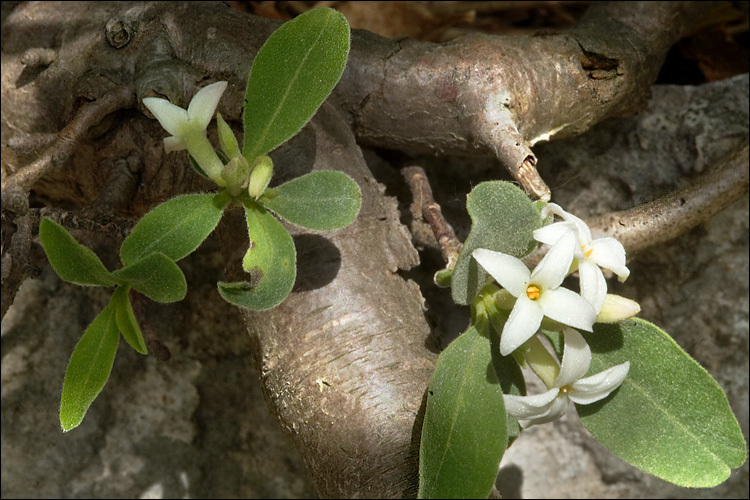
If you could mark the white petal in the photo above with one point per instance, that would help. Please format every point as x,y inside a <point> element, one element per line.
<point>171,117</point>
<point>584,233</point>
<point>524,407</point>
<point>555,410</point>
<point>174,143</point>
<point>550,234</point>
<point>510,273</point>
<point>203,105</point>
<point>523,322</point>
<point>610,254</point>
<point>593,284</point>
<point>552,208</point>
<point>576,358</point>
<point>554,266</point>
<point>568,308</point>
<point>599,386</point>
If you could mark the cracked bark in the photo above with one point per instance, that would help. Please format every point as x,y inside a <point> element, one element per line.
<point>345,360</point>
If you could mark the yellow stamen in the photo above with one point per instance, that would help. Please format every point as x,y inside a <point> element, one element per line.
<point>586,253</point>
<point>532,292</point>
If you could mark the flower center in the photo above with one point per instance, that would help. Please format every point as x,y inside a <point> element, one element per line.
<point>586,253</point>
<point>532,292</point>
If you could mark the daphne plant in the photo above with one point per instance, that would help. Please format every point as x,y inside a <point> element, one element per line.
<point>633,387</point>
<point>293,73</point>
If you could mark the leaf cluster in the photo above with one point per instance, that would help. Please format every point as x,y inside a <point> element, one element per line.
<point>294,72</point>
<point>669,417</point>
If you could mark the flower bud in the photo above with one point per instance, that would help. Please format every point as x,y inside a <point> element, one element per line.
<point>235,174</point>
<point>616,309</point>
<point>227,139</point>
<point>260,176</point>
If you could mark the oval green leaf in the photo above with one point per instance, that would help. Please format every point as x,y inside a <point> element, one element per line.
<point>156,276</point>
<point>294,72</point>
<point>503,219</point>
<point>126,321</point>
<point>464,434</point>
<point>321,200</point>
<point>270,260</point>
<point>89,367</point>
<point>175,228</point>
<point>72,261</point>
<point>669,418</point>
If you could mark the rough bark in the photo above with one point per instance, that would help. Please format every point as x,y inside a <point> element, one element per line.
<point>345,360</point>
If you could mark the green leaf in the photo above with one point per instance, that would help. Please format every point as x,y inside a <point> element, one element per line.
<point>176,227</point>
<point>270,260</point>
<point>321,200</point>
<point>509,372</point>
<point>72,261</point>
<point>294,72</point>
<point>464,434</point>
<point>156,276</point>
<point>89,368</point>
<point>503,219</point>
<point>669,418</point>
<point>126,321</point>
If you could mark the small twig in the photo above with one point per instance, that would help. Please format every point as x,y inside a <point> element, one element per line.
<point>496,127</point>
<point>18,220</point>
<point>31,143</point>
<point>530,179</point>
<point>87,116</point>
<point>674,214</point>
<point>15,260</point>
<point>424,205</point>
<point>115,227</point>
<point>670,216</point>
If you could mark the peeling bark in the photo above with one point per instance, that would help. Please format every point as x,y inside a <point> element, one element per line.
<point>346,358</point>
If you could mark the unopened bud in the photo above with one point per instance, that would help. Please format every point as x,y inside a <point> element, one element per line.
<point>616,309</point>
<point>260,176</point>
<point>443,277</point>
<point>235,174</point>
<point>227,139</point>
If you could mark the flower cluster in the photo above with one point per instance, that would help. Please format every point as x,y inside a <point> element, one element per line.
<point>539,294</point>
<point>188,129</point>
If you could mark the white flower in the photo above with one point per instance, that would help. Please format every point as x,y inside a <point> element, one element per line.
<point>188,127</point>
<point>537,293</point>
<point>591,254</point>
<point>568,386</point>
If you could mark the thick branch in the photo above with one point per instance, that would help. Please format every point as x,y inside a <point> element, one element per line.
<point>479,94</point>
<point>496,95</point>
<point>670,216</point>
<point>345,360</point>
